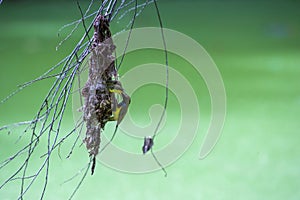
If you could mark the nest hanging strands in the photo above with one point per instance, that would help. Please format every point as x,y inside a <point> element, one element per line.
<point>101,88</point>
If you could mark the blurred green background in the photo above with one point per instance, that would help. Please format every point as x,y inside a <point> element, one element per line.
<point>256,46</point>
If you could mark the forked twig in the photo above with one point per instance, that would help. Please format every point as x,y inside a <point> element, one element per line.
<point>149,141</point>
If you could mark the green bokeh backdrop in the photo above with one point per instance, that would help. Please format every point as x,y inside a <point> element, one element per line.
<point>256,46</point>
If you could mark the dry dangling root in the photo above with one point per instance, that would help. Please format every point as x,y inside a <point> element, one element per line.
<point>100,93</point>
